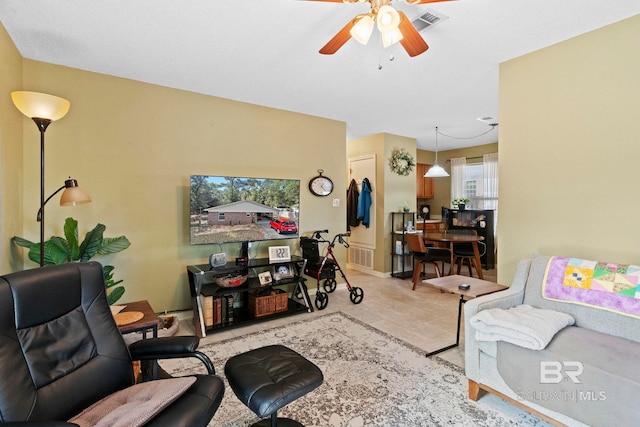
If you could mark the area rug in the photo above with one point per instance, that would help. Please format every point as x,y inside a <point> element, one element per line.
<point>370,379</point>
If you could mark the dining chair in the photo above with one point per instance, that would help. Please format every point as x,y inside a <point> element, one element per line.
<point>463,252</point>
<point>425,255</point>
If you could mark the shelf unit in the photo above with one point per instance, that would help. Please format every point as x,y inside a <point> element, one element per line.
<point>401,258</point>
<point>202,284</point>
<point>479,220</point>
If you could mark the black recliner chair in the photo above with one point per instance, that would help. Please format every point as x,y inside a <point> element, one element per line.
<point>61,351</point>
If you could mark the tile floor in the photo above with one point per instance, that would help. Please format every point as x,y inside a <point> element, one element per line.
<point>425,317</point>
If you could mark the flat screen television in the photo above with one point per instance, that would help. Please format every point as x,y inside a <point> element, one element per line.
<point>229,209</point>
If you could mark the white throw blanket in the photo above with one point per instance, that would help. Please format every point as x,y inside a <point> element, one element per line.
<point>522,325</point>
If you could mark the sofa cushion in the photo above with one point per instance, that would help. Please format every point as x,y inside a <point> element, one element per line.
<point>585,374</point>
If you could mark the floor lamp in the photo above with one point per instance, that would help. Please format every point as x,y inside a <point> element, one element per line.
<point>44,109</point>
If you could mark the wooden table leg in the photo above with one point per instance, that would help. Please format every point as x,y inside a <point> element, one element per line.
<point>451,260</point>
<point>476,254</point>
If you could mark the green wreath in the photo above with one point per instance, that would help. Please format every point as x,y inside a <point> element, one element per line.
<point>401,162</point>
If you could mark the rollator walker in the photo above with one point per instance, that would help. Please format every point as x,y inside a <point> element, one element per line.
<point>325,267</point>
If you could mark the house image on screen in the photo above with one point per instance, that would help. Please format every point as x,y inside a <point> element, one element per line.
<point>238,213</point>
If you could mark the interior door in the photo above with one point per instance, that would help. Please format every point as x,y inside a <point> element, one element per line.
<point>359,168</point>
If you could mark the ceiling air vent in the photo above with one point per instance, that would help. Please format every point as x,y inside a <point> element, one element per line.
<point>428,20</point>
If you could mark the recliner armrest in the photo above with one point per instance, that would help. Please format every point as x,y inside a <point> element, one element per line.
<point>158,346</point>
<point>175,347</point>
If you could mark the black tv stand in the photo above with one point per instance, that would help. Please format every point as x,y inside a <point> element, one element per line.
<point>244,250</point>
<point>201,284</point>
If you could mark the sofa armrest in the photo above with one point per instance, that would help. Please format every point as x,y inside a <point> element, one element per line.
<point>504,299</point>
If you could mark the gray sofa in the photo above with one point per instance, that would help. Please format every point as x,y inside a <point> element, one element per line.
<point>598,357</point>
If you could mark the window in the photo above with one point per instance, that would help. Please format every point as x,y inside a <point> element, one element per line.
<point>477,182</point>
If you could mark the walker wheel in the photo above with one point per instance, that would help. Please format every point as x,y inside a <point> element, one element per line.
<point>322,299</point>
<point>298,294</point>
<point>356,295</point>
<point>330,284</point>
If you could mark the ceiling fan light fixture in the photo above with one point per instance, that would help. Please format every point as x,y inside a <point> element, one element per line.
<point>388,19</point>
<point>391,37</point>
<point>362,30</point>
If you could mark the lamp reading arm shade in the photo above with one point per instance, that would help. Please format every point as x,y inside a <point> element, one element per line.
<point>72,195</point>
<point>40,105</point>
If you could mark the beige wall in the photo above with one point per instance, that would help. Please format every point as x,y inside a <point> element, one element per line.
<point>133,146</point>
<point>11,175</point>
<point>569,148</point>
<point>442,185</point>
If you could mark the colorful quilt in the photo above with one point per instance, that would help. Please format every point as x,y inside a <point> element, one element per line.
<point>609,286</point>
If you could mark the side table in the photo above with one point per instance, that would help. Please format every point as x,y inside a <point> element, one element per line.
<point>478,287</point>
<point>149,320</point>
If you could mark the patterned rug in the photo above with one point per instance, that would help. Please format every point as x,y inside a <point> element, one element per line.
<point>371,379</point>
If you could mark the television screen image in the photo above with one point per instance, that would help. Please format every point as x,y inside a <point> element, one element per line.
<point>227,209</point>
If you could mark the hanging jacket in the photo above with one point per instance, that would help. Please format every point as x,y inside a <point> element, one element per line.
<point>364,203</point>
<point>352,205</point>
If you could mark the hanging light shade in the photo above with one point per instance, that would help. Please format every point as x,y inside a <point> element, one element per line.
<point>362,30</point>
<point>436,171</point>
<point>40,105</point>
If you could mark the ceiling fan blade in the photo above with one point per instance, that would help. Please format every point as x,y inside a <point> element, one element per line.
<point>411,41</point>
<point>339,39</point>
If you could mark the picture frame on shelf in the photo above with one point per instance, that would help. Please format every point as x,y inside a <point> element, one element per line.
<point>282,271</point>
<point>265,278</point>
<point>279,254</point>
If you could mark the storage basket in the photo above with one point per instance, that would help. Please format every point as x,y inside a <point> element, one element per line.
<point>276,302</point>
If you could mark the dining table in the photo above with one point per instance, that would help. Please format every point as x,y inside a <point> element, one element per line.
<point>450,239</point>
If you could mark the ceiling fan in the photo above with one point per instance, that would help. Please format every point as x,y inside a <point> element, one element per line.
<point>393,25</point>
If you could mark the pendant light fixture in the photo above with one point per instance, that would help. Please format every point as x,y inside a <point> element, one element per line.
<point>436,171</point>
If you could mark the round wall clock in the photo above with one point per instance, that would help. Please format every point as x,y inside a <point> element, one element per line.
<point>320,185</point>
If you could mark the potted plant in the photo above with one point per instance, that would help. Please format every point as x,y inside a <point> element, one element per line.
<point>460,203</point>
<point>58,250</point>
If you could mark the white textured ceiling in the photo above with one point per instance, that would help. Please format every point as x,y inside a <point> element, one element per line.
<point>265,52</point>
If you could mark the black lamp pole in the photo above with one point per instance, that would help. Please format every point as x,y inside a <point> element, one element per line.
<point>42,127</point>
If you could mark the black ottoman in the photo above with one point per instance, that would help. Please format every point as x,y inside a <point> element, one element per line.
<point>268,378</point>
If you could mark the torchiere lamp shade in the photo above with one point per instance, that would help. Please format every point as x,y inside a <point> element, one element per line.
<point>40,105</point>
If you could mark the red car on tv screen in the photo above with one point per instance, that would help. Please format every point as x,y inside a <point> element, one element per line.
<point>283,225</point>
